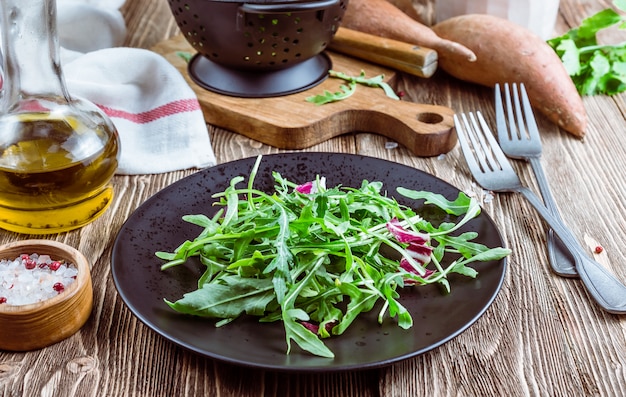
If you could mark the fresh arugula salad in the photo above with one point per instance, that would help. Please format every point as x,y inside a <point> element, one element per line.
<point>315,257</point>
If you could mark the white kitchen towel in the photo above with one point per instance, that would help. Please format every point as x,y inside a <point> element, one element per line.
<point>86,26</point>
<point>156,113</point>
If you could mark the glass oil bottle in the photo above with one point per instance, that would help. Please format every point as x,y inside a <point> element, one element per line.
<point>58,152</point>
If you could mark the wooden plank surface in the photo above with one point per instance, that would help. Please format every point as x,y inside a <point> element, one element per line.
<point>543,336</point>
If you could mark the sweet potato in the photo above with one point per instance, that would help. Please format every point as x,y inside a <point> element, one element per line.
<point>408,7</point>
<point>381,18</point>
<point>507,52</point>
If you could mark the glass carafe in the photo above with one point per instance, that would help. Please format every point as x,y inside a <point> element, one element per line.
<point>58,152</point>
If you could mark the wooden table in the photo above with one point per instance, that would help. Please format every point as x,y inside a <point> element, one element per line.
<point>542,336</point>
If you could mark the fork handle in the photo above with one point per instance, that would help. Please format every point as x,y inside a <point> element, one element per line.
<point>607,290</point>
<point>561,260</point>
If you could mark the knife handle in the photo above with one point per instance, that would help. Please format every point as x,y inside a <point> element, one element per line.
<point>398,55</point>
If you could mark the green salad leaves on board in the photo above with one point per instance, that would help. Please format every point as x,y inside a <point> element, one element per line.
<point>594,68</point>
<point>346,91</point>
<point>314,257</point>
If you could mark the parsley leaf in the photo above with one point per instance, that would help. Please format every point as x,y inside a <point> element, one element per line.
<point>594,68</point>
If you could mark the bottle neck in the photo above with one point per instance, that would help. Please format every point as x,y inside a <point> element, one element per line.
<point>30,45</point>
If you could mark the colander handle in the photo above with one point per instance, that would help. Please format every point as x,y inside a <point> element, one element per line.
<point>257,8</point>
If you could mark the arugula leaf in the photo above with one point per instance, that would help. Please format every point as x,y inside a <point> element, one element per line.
<point>328,97</point>
<point>229,298</point>
<point>360,302</point>
<point>304,338</point>
<point>594,68</point>
<point>296,331</point>
<point>456,207</point>
<point>185,55</point>
<point>348,90</point>
<point>280,263</point>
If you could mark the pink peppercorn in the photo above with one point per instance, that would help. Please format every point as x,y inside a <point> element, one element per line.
<point>54,266</point>
<point>30,264</point>
<point>58,287</point>
<point>3,299</point>
<point>599,249</point>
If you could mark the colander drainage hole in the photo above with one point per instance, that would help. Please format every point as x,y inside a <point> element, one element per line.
<point>429,118</point>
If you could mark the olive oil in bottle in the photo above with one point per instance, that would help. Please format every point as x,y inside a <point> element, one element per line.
<point>54,173</point>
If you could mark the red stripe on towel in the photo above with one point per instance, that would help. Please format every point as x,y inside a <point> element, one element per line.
<point>181,106</point>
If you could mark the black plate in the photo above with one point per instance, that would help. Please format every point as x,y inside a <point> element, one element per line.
<point>157,226</point>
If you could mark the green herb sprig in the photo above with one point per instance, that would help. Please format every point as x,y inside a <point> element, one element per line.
<point>320,258</point>
<point>185,55</point>
<point>594,68</point>
<point>347,90</point>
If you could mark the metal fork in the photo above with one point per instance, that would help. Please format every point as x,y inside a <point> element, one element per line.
<point>492,171</point>
<point>519,138</point>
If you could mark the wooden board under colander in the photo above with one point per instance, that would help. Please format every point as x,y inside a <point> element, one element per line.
<point>290,122</point>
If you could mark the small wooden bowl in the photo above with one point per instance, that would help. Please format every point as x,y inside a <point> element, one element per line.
<point>37,325</point>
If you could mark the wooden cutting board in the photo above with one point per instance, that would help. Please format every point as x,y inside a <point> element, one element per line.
<point>290,122</point>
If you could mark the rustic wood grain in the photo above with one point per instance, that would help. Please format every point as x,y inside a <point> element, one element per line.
<point>543,336</point>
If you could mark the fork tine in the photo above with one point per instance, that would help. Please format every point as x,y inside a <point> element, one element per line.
<point>509,127</point>
<point>473,144</point>
<point>477,138</point>
<point>481,150</point>
<point>464,136</point>
<point>517,128</point>
<point>501,127</point>
<point>531,123</point>
<point>522,132</point>
<point>502,161</point>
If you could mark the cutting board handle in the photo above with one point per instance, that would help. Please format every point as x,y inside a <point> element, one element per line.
<point>426,130</point>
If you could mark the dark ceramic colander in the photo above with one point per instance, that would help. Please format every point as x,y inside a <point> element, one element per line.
<point>258,48</point>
